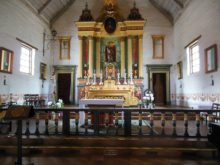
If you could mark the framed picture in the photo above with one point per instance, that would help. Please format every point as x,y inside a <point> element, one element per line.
<point>43,71</point>
<point>211,59</point>
<point>179,68</point>
<point>65,48</point>
<point>6,60</point>
<point>158,46</point>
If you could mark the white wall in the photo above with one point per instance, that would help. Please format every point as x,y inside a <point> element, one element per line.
<point>156,24</point>
<point>201,17</point>
<point>16,20</point>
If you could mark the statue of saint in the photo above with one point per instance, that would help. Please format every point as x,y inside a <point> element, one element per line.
<point>110,54</point>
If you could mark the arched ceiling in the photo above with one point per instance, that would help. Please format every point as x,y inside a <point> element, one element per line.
<point>50,10</point>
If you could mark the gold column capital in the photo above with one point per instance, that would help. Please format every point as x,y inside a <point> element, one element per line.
<point>90,37</point>
<point>140,37</point>
<point>122,38</point>
<point>80,37</point>
<point>98,39</point>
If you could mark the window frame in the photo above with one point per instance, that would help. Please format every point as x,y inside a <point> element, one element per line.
<point>191,58</point>
<point>30,60</point>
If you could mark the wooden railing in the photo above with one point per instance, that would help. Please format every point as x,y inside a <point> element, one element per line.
<point>118,122</point>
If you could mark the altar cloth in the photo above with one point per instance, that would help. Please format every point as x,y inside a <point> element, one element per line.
<point>84,102</point>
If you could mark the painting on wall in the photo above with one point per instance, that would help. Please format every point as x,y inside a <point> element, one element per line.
<point>6,60</point>
<point>158,46</point>
<point>64,48</point>
<point>211,59</point>
<point>179,67</point>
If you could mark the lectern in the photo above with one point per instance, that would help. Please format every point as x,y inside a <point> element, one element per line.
<point>19,113</point>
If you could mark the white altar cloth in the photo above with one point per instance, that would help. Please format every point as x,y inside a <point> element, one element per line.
<point>84,102</point>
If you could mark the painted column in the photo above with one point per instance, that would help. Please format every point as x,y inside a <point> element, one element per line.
<point>129,56</point>
<point>80,55</point>
<point>122,42</point>
<point>90,56</point>
<point>98,57</point>
<point>140,56</point>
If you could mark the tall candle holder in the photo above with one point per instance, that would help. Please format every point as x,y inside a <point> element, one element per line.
<point>118,78</point>
<point>131,79</point>
<point>101,77</point>
<point>94,79</point>
<point>125,78</point>
<point>87,81</point>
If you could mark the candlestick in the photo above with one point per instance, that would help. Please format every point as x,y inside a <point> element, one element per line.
<point>101,83</point>
<point>131,79</point>
<point>118,77</point>
<point>125,80</point>
<point>94,79</point>
<point>87,82</point>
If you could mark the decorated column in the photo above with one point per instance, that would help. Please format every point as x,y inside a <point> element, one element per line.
<point>98,56</point>
<point>80,55</point>
<point>122,42</point>
<point>90,56</point>
<point>129,55</point>
<point>140,56</point>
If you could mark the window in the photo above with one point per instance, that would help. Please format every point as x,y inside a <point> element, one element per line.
<point>193,58</point>
<point>27,59</point>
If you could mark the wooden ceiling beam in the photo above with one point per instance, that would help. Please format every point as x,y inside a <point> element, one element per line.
<point>179,3</point>
<point>34,11</point>
<point>166,13</point>
<point>61,12</point>
<point>44,6</point>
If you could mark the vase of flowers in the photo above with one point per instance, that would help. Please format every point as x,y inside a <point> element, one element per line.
<point>58,104</point>
<point>148,100</point>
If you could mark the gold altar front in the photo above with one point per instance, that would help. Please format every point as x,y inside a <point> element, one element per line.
<point>110,90</point>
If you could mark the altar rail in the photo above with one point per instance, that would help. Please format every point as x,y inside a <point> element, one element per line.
<point>118,122</point>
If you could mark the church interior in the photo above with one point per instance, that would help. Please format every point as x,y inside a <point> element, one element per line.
<point>117,80</point>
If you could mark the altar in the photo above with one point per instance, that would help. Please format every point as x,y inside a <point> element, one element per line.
<point>110,90</point>
<point>110,55</point>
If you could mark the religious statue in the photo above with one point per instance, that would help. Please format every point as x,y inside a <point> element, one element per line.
<point>110,54</point>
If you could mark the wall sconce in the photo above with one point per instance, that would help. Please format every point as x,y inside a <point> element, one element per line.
<point>50,38</point>
<point>212,80</point>
<point>4,81</point>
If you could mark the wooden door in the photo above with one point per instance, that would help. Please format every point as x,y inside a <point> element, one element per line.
<point>63,87</point>
<point>159,88</point>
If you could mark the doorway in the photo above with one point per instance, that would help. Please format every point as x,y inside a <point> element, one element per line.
<point>159,82</point>
<point>159,88</point>
<point>63,88</point>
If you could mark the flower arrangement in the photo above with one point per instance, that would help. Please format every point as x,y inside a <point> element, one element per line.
<point>148,99</point>
<point>58,104</point>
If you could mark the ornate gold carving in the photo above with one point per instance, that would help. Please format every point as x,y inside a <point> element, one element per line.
<point>110,2</point>
<point>111,90</point>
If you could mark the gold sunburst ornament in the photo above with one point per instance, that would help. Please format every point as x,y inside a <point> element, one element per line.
<point>108,2</point>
